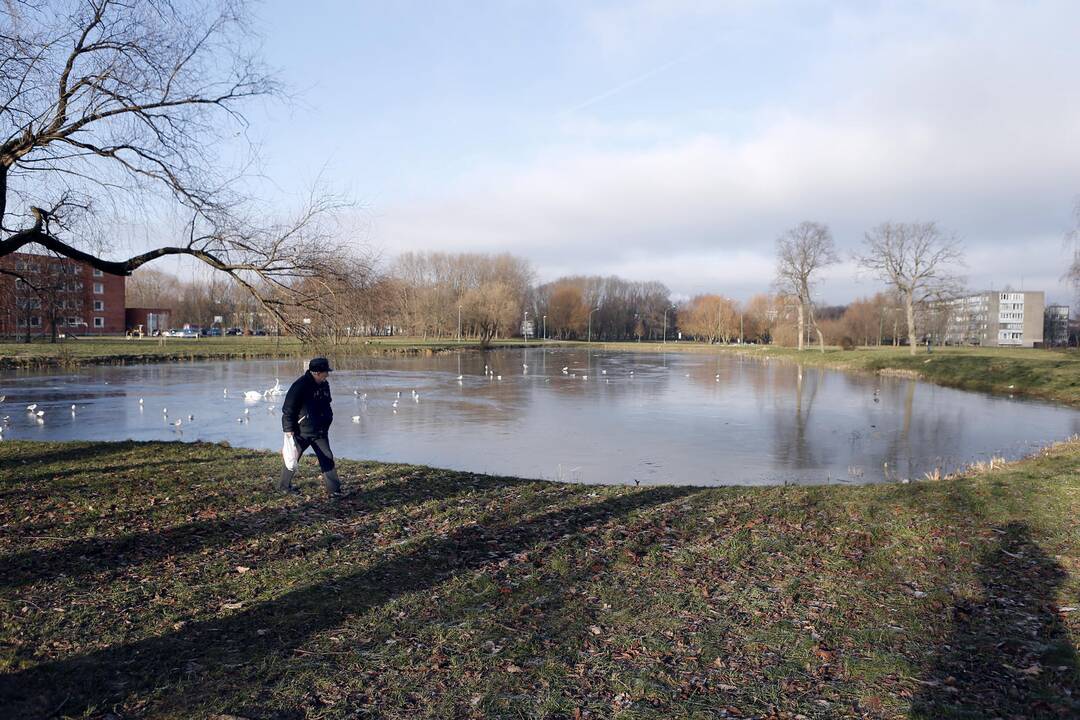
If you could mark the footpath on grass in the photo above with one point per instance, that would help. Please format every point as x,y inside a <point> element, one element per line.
<point>167,580</point>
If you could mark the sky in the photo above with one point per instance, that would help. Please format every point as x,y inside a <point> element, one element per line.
<point>674,140</point>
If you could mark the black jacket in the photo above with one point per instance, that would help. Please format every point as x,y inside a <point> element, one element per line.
<point>306,411</point>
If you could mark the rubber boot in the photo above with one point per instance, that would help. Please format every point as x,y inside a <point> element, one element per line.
<point>285,482</point>
<point>333,484</point>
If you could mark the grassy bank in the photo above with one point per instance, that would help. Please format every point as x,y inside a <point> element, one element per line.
<point>165,580</point>
<point>98,351</point>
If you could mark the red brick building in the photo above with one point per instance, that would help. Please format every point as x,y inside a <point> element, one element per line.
<point>58,294</point>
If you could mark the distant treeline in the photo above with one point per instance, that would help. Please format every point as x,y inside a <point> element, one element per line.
<point>483,297</point>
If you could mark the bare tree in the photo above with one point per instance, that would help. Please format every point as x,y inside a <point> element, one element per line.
<point>123,107</point>
<point>801,253</point>
<point>492,307</point>
<point>915,259</point>
<point>1072,238</point>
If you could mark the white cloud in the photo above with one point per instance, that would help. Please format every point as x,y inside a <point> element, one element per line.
<point>971,124</point>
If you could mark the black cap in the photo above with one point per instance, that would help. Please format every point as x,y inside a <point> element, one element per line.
<point>319,364</point>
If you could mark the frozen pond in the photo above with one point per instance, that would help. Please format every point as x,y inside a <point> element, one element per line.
<point>611,417</point>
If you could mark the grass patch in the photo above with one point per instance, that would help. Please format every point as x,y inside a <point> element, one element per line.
<point>166,580</point>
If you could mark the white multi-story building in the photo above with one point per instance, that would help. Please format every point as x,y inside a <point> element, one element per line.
<point>993,319</point>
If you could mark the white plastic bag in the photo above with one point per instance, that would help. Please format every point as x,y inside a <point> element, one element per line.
<point>290,452</point>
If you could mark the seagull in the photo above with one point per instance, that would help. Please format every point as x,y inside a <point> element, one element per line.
<point>190,418</point>
<point>603,372</point>
<point>356,418</point>
<point>3,398</point>
<point>395,403</point>
<point>460,378</point>
<point>176,423</point>
<point>40,413</point>
<point>225,392</point>
<point>416,398</point>
<point>164,411</point>
<point>72,408</point>
<point>32,408</point>
<point>584,377</point>
<point>498,377</point>
<point>566,369</point>
<point>246,411</point>
<point>356,392</point>
<point>140,401</point>
<point>399,393</point>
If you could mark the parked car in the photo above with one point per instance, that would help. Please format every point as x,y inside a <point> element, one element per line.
<point>181,333</point>
<point>234,331</point>
<point>213,332</point>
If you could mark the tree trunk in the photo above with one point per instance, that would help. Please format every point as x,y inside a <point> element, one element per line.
<point>909,306</point>
<point>813,324</point>
<point>802,324</point>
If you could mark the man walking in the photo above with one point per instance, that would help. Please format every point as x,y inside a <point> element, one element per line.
<point>306,417</point>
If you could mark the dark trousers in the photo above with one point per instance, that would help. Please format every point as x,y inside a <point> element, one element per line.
<point>321,446</point>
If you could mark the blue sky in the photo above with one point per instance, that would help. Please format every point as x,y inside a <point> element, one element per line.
<point>675,140</point>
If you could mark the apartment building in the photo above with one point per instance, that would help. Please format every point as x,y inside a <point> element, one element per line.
<point>992,319</point>
<point>43,294</point>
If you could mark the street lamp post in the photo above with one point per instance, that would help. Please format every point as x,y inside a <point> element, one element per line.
<point>545,328</point>
<point>665,323</point>
<point>459,323</point>
<point>525,327</point>
<point>590,321</point>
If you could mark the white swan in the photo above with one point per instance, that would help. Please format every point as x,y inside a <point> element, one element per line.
<point>253,396</point>
<point>277,389</point>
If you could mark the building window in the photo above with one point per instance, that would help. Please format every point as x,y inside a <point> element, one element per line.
<point>98,273</point>
<point>99,288</point>
<point>73,321</point>
<point>35,321</point>
<point>99,305</point>
<point>99,322</point>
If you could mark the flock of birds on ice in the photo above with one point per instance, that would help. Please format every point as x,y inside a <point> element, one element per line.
<point>254,396</point>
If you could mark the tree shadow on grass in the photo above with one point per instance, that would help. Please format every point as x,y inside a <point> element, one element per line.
<point>20,454</point>
<point>1010,656</point>
<point>214,661</point>
<point>92,555</point>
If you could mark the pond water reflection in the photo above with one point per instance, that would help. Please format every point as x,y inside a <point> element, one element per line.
<point>604,417</point>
